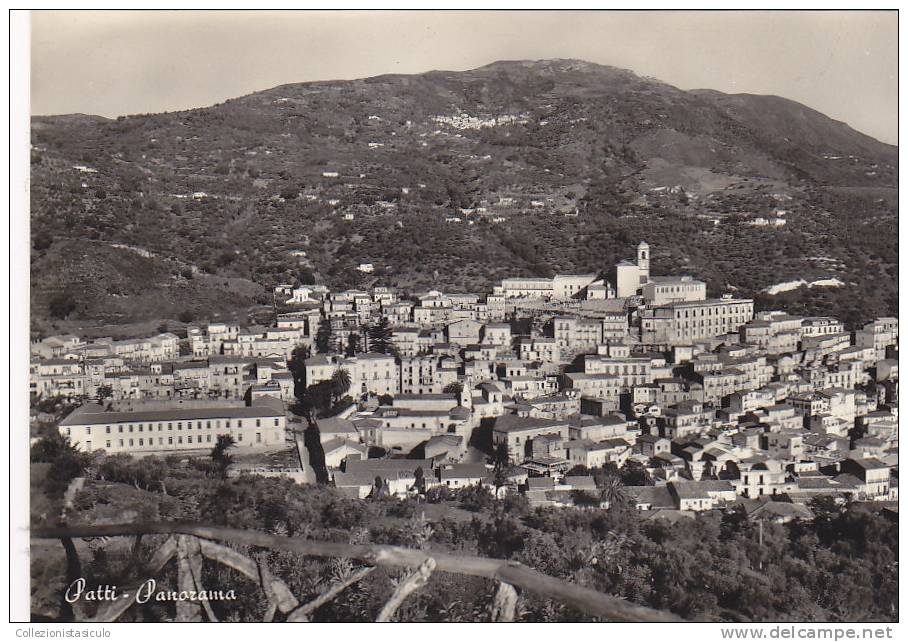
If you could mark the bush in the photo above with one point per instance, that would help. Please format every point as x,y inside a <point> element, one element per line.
<point>402,508</point>
<point>42,242</point>
<point>62,305</point>
<point>475,498</point>
<point>438,494</point>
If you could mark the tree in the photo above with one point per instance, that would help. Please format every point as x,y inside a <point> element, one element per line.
<point>453,388</point>
<point>583,498</point>
<point>66,461</point>
<point>317,399</point>
<point>297,366</point>
<point>352,344</point>
<point>62,305</point>
<point>104,392</point>
<point>380,489</point>
<point>219,455</point>
<point>420,480</point>
<point>340,383</point>
<point>380,337</point>
<point>475,498</point>
<point>613,491</point>
<point>633,473</point>
<point>502,466</point>
<point>323,336</point>
<point>42,241</point>
<point>305,276</point>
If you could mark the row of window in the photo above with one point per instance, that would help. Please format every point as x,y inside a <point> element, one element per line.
<point>141,441</point>
<point>625,369</point>
<point>709,312</point>
<point>217,424</point>
<point>711,322</point>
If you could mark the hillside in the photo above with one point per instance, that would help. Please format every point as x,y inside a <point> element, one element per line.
<point>454,180</point>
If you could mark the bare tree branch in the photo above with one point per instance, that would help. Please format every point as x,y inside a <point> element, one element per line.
<point>302,613</point>
<point>187,611</point>
<point>72,610</point>
<point>110,611</point>
<point>193,554</point>
<point>504,605</point>
<point>282,596</point>
<point>607,607</point>
<point>415,580</point>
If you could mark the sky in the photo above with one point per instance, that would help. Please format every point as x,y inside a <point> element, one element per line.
<point>111,63</point>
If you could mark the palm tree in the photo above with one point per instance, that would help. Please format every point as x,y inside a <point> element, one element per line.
<point>613,491</point>
<point>340,382</point>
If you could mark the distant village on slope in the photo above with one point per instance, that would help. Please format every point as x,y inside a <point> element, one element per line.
<point>528,389</point>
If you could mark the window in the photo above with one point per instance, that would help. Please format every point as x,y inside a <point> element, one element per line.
<point>107,444</point>
<point>119,428</point>
<point>189,439</point>
<point>170,441</point>
<point>88,430</point>
<point>240,437</point>
<point>258,437</point>
<point>131,442</point>
<point>258,423</point>
<point>208,438</point>
<point>179,426</point>
<point>141,441</point>
<point>277,422</point>
<point>107,429</point>
<point>88,445</point>
<point>121,443</point>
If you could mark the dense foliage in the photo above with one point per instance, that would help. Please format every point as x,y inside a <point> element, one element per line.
<point>840,567</point>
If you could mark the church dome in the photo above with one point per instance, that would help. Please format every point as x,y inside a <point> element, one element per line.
<point>459,413</point>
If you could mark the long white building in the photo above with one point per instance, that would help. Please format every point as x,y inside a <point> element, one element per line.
<point>150,429</point>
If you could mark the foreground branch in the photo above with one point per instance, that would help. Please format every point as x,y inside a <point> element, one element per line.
<point>410,583</point>
<point>578,597</point>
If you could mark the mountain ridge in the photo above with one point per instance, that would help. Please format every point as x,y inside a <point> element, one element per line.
<point>589,157</point>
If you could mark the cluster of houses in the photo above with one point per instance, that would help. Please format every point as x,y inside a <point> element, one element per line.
<point>551,377</point>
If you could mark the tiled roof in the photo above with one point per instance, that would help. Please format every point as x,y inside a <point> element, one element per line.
<point>78,418</point>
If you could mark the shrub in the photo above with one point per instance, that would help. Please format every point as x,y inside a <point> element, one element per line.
<point>62,305</point>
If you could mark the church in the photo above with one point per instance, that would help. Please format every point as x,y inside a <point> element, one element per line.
<point>632,279</point>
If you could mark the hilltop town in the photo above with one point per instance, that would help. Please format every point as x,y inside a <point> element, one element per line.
<point>546,388</point>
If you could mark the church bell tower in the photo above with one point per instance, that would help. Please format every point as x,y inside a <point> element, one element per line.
<point>643,262</point>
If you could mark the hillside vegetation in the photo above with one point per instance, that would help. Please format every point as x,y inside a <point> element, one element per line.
<point>841,566</point>
<point>455,180</point>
